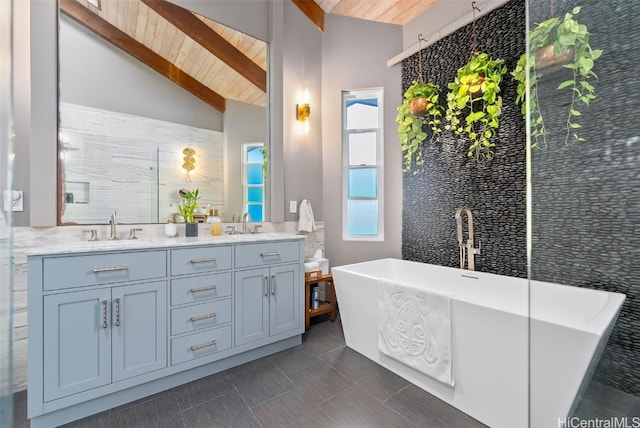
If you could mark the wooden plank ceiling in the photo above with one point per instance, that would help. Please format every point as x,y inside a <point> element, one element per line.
<point>211,60</point>
<point>390,11</point>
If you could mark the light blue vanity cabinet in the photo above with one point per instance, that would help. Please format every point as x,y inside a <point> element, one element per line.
<point>105,334</point>
<point>267,298</point>
<point>126,320</point>
<point>201,303</point>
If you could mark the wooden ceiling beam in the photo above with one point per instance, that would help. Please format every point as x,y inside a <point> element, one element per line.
<point>313,12</point>
<point>136,49</point>
<point>194,28</point>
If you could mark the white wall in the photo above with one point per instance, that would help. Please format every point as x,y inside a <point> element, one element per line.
<point>354,54</point>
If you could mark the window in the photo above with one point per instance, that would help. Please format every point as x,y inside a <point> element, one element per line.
<point>362,165</point>
<point>253,180</point>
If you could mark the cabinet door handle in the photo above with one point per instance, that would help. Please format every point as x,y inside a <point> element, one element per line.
<point>270,254</point>
<point>273,284</point>
<point>203,317</point>
<point>210,260</point>
<point>204,345</point>
<point>110,269</point>
<point>118,312</point>
<point>104,314</point>
<point>265,285</point>
<point>199,290</point>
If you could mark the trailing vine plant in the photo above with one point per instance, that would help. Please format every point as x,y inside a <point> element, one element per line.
<point>419,109</point>
<point>411,124</point>
<point>473,102</point>
<point>569,40</point>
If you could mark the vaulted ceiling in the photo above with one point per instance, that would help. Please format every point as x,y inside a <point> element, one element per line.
<point>212,61</point>
<point>390,11</point>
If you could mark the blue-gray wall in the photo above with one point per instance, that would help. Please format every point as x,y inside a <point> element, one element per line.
<point>355,54</point>
<point>95,73</point>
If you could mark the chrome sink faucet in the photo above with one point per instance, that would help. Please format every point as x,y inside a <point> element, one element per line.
<point>245,218</point>
<point>467,250</point>
<point>114,222</point>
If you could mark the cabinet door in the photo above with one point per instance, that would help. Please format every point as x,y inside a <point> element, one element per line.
<point>77,342</point>
<point>139,324</point>
<point>251,305</point>
<point>285,298</point>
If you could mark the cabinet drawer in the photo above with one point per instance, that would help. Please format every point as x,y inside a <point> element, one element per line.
<point>200,316</point>
<point>200,345</point>
<point>195,260</point>
<point>268,253</point>
<point>200,288</point>
<point>96,269</point>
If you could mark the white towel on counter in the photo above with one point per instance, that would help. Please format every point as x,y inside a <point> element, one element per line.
<point>415,328</point>
<point>306,223</point>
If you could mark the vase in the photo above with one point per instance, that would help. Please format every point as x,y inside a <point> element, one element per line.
<point>191,229</point>
<point>476,84</point>
<point>545,58</point>
<point>419,106</point>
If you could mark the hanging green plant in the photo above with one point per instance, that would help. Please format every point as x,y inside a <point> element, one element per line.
<point>419,108</point>
<point>557,42</point>
<point>474,94</point>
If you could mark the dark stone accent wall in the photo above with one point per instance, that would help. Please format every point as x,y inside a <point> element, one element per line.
<point>586,196</point>
<point>493,190</point>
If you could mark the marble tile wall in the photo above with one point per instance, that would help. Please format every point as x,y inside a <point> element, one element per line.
<point>26,238</point>
<point>147,154</point>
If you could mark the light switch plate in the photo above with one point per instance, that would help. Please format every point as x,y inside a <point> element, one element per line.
<point>13,200</point>
<point>293,207</point>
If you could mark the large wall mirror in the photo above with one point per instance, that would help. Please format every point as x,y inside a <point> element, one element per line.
<point>153,99</point>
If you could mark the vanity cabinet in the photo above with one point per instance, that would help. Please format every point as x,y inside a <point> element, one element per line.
<point>96,337</point>
<point>201,305</point>
<point>110,325</point>
<point>267,296</point>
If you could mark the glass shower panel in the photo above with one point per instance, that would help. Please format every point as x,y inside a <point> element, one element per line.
<point>584,212</point>
<point>6,160</point>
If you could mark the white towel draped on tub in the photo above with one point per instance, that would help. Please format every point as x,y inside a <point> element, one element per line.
<point>415,328</point>
<point>306,223</point>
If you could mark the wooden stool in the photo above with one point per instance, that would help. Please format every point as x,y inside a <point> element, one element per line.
<point>315,277</point>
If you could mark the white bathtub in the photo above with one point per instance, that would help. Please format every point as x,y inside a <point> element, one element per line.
<point>491,336</point>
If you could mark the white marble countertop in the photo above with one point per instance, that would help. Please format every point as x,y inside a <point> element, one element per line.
<point>150,243</point>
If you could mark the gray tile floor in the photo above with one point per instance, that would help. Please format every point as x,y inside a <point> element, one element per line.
<point>320,383</point>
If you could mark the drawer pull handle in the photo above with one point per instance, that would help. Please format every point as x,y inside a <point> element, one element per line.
<point>111,269</point>
<point>271,254</point>
<point>199,290</point>
<point>204,345</point>
<point>203,317</point>
<point>210,260</point>
<point>118,312</point>
<point>104,314</point>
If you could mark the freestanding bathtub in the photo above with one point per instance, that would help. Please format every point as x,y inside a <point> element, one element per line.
<point>497,380</point>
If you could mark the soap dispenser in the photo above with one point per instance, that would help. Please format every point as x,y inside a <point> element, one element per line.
<point>216,224</point>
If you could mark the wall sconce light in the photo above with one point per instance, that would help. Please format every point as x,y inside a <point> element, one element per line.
<point>303,109</point>
<point>302,112</point>
<point>189,159</point>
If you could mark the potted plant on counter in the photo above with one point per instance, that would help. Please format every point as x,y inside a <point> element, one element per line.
<point>187,209</point>
<point>557,43</point>
<point>419,108</point>
<point>474,104</point>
